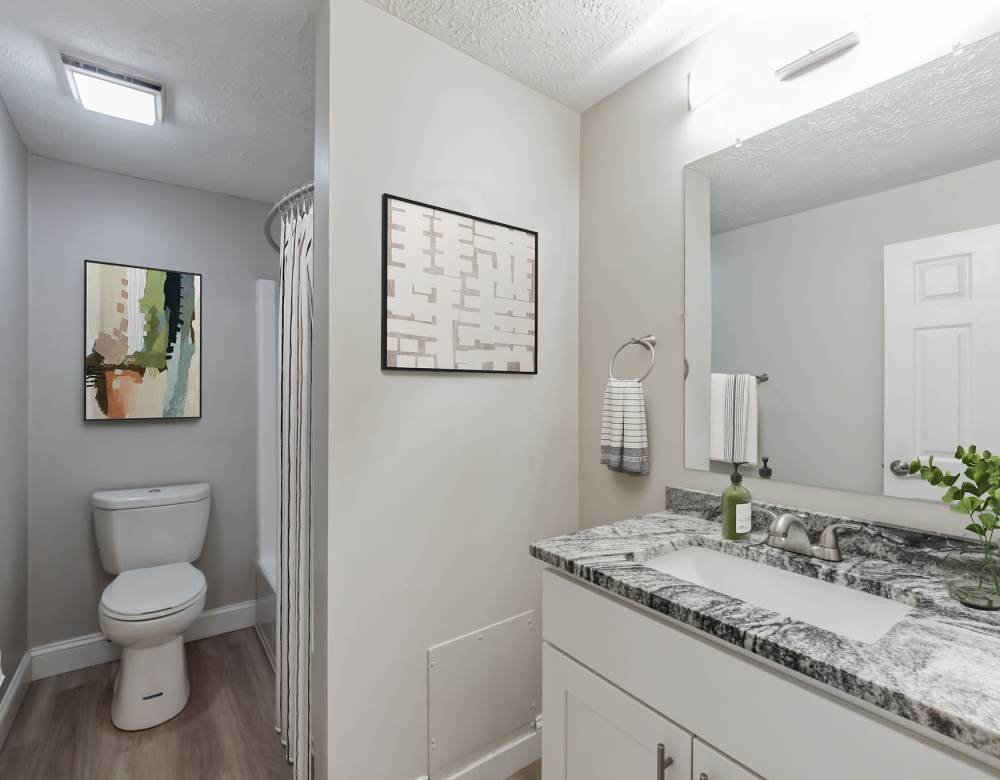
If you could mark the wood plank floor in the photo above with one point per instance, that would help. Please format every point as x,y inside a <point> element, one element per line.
<point>226,732</point>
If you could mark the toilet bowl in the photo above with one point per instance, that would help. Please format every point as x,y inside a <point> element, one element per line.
<point>148,538</point>
<point>146,612</point>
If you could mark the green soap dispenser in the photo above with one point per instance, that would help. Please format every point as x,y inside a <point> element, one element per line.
<point>736,508</point>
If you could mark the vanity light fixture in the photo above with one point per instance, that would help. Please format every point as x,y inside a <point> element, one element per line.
<point>817,56</point>
<point>114,93</point>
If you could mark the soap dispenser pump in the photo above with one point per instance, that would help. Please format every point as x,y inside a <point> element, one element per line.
<point>737,509</point>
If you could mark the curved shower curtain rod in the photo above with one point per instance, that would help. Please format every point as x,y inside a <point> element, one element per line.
<point>291,197</point>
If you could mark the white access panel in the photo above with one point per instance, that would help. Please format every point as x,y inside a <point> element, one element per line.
<point>481,687</point>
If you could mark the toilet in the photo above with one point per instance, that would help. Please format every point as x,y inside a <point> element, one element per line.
<point>148,537</point>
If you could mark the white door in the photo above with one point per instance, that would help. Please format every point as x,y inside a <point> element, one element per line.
<point>709,764</point>
<point>594,731</point>
<point>942,373</point>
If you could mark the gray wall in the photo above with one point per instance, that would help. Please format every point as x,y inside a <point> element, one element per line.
<point>79,213</point>
<point>320,393</point>
<point>438,482</point>
<point>801,298</point>
<point>634,146</point>
<point>13,395</point>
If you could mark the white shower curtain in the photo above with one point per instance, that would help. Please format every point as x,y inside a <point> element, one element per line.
<point>294,557</point>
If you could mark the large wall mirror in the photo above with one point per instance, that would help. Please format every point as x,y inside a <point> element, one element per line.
<point>853,256</point>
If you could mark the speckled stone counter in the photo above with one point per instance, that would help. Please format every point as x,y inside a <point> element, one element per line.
<point>938,667</point>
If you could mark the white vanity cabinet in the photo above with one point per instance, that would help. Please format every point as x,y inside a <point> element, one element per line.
<point>602,733</point>
<point>619,680</point>
<point>707,763</point>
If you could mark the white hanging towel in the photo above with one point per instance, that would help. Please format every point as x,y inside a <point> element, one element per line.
<point>734,418</point>
<point>624,445</point>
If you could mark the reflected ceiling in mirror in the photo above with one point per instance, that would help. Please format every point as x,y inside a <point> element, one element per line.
<point>853,255</point>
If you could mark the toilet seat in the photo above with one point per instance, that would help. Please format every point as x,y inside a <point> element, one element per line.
<point>153,592</point>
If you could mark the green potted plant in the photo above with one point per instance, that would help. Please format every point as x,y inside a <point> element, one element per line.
<point>976,494</point>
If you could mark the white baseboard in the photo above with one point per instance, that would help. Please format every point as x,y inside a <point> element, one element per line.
<point>222,620</point>
<point>94,649</point>
<point>13,697</point>
<point>502,762</point>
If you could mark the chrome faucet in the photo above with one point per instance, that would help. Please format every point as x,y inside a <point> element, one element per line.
<point>789,533</point>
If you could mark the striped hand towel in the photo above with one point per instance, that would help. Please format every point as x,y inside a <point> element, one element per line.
<point>734,418</point>
<point>624,445</point>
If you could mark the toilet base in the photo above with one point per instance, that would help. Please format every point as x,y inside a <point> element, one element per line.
<point>152,685</point>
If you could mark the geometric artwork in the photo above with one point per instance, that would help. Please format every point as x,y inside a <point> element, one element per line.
<point>142,354</point>
<point>459,293</point>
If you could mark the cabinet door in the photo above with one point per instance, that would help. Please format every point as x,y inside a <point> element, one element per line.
<point>710,764</point>
<point>594,731</point>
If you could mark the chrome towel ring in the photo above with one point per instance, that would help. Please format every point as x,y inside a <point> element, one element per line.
<point>649,342</point>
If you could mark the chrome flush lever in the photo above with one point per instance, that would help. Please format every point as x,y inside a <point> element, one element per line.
<point>663,761</point>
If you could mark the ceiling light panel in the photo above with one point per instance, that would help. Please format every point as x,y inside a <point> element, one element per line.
<point>113,93</point>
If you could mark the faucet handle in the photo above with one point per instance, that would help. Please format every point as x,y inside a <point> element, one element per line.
<point>829,536</point>
<point>829,545</point>
<point>780,525</point>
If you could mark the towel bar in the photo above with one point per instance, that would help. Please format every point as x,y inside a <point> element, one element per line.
<point>648,341</point>
<point>761,378</point>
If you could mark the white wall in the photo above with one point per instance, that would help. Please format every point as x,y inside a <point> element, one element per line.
<point>438,482</point>
<point>801,298</point>
<point>79,213</point>
<point>13,395</point>
<point>633,148</point>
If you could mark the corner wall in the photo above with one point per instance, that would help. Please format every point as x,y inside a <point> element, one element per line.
<point>13,396</point>
<point>438,482</point>
<point>320,411</point>
<point>79,213</point>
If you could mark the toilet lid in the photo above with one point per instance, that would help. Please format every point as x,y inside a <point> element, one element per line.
<point>144,594</point>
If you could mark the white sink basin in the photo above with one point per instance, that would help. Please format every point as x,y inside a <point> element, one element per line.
<point>835,608</point>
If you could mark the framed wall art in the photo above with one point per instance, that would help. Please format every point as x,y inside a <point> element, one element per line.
<point>459,293</point>
<point>142,350</point>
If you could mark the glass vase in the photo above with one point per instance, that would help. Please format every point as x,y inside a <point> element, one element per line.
<point>976,582</point>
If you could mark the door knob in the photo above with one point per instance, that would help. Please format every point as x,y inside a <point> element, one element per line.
<point>900,468</point>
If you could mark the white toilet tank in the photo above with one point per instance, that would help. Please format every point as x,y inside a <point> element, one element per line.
<point>151,526</point>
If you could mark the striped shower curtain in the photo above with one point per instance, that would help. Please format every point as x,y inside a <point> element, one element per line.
<point>294,557</point>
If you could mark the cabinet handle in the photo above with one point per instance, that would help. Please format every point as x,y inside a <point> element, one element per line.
<point>703,776</point>
<point>663,761</point>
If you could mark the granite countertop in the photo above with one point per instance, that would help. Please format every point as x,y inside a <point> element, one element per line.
<point>938,667</point>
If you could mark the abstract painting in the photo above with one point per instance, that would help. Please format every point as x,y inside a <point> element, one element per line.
<point>143,343</point>
<point>459,293</point>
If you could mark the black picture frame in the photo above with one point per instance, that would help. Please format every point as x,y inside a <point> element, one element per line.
<point>201,348</point>
<point>386,198</point>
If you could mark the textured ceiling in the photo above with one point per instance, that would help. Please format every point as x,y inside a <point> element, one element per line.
<point>941,117</point>
<point>238,114</point>
<point>576,52</point>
